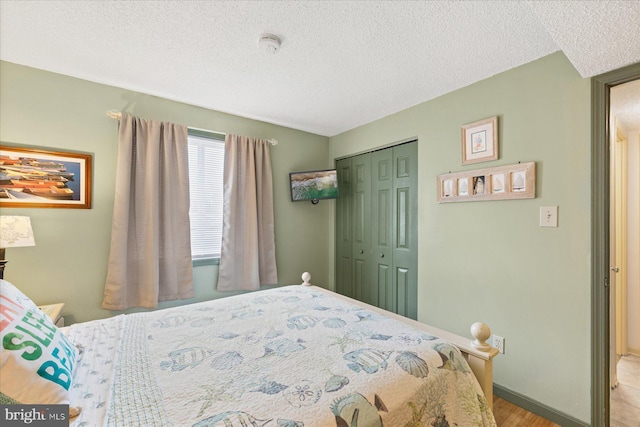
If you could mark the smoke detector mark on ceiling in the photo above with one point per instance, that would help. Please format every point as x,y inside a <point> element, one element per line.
<point>269,42</point>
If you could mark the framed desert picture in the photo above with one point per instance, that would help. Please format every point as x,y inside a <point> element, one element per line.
<point>480,141</point>
<point>36,178</point>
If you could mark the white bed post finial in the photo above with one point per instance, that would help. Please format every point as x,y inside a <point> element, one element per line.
<point>481,332</point>
<point>306,278</point>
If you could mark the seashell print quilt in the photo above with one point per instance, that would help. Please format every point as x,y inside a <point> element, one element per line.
<point>291,356</point>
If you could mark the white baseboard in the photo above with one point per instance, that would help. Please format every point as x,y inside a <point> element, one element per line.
<point>634,351</point>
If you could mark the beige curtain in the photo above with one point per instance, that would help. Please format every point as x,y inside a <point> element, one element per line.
<point>150,257</point>
<point>248,254</point>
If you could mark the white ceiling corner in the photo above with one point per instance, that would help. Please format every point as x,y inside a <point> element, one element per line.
<point>341,64</point>
<point>625,105</point>
<point>596,36</point>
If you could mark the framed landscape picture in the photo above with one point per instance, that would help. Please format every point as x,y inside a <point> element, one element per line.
<point>35,178</point>
<point>314,185</point>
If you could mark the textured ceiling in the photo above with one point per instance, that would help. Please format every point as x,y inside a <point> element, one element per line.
<point>342,63</point>
<point>625,105</point>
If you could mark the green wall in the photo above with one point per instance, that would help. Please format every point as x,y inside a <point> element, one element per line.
<point>490,261</point>
<point>485,261</point>
<point>69,262</point>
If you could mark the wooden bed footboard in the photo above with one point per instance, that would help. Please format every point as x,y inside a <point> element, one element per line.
<point>477,352</point>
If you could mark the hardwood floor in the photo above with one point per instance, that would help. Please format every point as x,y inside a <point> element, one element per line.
<point>625,402</point>
<point>625,399</point>
<point>509,415</point>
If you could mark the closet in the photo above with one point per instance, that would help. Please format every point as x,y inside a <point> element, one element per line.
<point>376,228</point>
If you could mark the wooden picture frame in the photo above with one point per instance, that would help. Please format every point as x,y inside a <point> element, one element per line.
<point>480,141</point>
<point>35,178</point>
<point>516,181</point>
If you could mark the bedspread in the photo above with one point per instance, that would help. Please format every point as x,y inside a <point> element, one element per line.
<point>290,356</point>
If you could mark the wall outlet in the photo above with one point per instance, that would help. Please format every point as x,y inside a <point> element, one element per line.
<point>498,342</point>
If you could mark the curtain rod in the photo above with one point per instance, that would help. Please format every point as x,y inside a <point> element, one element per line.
<point>117,115</point>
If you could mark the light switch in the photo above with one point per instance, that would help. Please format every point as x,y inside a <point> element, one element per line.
<point>548,216</point>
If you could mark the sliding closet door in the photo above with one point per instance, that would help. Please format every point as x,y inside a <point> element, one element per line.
<point>376,228</point>
<point>380,289</point>
<point>344,230</point>
<point>361,222</point>
<point>405,235</point>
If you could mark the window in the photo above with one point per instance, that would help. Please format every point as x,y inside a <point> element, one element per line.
<point>206,165</point>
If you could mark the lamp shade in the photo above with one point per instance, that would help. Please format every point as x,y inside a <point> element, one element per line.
<point>16,231</point>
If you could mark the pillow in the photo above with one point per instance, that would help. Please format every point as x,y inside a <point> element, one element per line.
<point>36,358</point>
<point>14,294</point>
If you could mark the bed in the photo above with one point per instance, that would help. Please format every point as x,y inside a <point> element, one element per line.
<point>289,356</point>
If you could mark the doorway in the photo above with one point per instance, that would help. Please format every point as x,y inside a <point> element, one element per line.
<point>601,235</point>
<point>624,374</point>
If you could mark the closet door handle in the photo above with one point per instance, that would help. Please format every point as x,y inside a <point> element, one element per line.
<point>381,255</point>
<point>361,251</point>
<point>615,269</point>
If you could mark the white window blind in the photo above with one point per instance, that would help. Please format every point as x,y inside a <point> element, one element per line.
<point>206,165</point>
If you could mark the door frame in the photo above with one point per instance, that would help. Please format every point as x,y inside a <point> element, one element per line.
<point>620,145</point>
<point>600,199</point>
